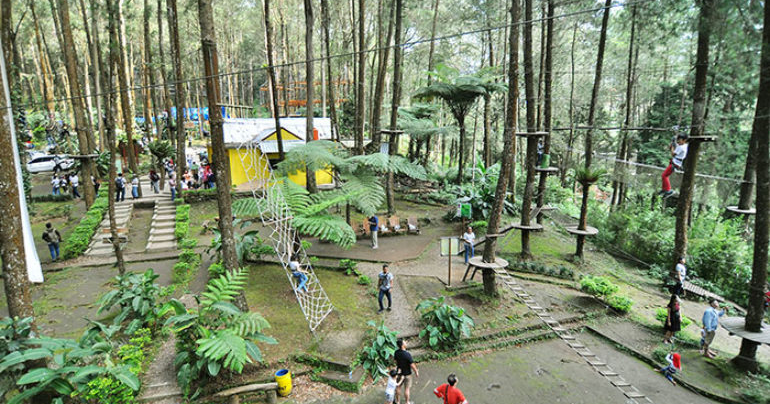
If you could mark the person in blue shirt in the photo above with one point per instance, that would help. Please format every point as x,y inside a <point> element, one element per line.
<point>374,227</point>
<point>385,283</point>
<point>298,274</point>
<point>710,324</point>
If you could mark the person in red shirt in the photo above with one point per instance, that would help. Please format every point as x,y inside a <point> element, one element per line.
<point>767,299</point>
<point>449,392</point>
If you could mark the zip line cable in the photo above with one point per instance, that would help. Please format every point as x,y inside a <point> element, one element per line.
<point>348,54</point>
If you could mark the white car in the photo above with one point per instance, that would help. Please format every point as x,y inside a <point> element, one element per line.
<point>49,163</point>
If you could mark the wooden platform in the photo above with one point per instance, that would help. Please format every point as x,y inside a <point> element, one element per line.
<point>478,263</point>
<point>589,231</point>
<point>703,138</point>
<point>528,227</point>
<point>735,209</point>
<point>736,325</point>
<point>531,134</point>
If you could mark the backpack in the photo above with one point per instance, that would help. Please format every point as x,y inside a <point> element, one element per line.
<point>119,183</point>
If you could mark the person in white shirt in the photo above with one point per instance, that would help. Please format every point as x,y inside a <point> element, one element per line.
<point>681,274</point>
<point>75,181</point>
<point>55,185</point>
<point>135,187</point>
<point>394,380</point>
<point>678,154</point>
<point>468,239</point>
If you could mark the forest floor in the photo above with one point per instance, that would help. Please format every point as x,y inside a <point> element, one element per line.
<point>534,371</point>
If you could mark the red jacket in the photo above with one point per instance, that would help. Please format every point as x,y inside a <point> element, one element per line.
<point>450,394</point>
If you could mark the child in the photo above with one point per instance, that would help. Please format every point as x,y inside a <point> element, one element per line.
<point>678,154</point>
<point>299,274</point>
<point>702,339</point>
<point>394,380</point>
<point>674,365</point>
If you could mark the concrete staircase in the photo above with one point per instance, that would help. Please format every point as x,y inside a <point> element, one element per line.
<point>162,228</point>
<point>100,244</point>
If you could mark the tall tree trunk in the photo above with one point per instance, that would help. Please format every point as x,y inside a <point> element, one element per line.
<point>45,68</point>
<point>541,70</point>
<point>312,187</point>
<point>330,81</point>
<point>96,76</point>
<point>14,264</point>
<point>461,148</point>
<point>379,88</point>
<point>149,113</point>
<point>392,149</point>
<point>747,357</point>
<point>220,160</point>
<point>179,95</point>
<point>589,132</point>
<point>547,108</point>
<point>110,105</point>
<point>487,147</point>
<point>509,136</point>
<point>571,136</point>
<point>432,49</point>
<point>531,156</point>
<point>627,121</point>
<point>82,127</point>
<point>166,92</point>
<point>361,89</point>
<point>697,127</point>
<point>749,175</point>
<point>271,76</point>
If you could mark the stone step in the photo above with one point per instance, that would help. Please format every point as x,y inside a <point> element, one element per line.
<point>166,245</point>
<point>162,225</point>
<point>161,231</point>
<point>160,218</point>
<point>165,211</point>
<point>161,238</point>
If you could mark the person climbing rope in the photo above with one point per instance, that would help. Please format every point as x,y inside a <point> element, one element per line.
<point>678,154</point>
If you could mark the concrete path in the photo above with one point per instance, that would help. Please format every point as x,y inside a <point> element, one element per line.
<point>162,228</point>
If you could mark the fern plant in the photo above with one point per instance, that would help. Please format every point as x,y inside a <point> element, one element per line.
<point>136,296</point>
<point>216,334</point>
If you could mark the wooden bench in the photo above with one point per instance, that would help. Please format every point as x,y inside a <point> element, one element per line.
<point>412,226</point>
<point>395,225</point>
<point>270,389</point>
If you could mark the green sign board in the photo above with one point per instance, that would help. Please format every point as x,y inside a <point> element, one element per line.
<point>465,210</point>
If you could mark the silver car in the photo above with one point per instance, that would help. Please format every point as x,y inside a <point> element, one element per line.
<point>46,163</point>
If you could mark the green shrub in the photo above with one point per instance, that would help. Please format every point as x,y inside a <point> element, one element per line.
<point>107,389</point>
<point>181,272</point>
<point>375,358</point>
<point>189,256</point>
<point>349,266</point>
<point>597,286</point>
<point>620,303</point>
<point>756,388</point>
<point>445,325</point>
<point>136,296</point>
<point>364,280</point>
<point>78,241</point>
<point>661,314</point>
<point>183,213</point>
<point>479,226</point>
<point>216,269</point>
<point>188,243</point>
<point>181,229</point>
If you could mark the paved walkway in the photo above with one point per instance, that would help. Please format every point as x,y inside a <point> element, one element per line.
<point>162,228</point>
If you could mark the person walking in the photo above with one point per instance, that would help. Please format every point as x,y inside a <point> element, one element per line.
<point>374,227</point>
<point>55,185</point>
<point>469,237</point>
<point>385,284</point>
<point>406,366</point>
<point>710,324</point>
<point>673,319</point>
<point>120,188</point>
<point>75,182</point>
<point>681,274</point>
<point>449,391</point>
<point>172,186</point>
<point>135,187</point>
<point>155,181</point>
<point>53,238</point>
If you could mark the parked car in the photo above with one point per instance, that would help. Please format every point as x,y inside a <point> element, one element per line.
<point>49,163</point>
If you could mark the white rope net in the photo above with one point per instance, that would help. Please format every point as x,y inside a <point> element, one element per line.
<point>276,218</point>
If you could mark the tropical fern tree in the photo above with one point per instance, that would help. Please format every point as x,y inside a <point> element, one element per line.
<point>216,334</point>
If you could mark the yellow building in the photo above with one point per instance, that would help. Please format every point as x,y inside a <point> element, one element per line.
<point>252,147</point>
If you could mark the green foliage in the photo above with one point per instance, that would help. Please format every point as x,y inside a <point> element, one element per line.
<point>445,325</point>
<point>587,176</point>
<point>479,226</point>
<point>349,266</point>
<point>661,314</point>
<point>78,241</point>
<point>180,273</point>
<point>364,280</point>
<point>189,256</point>
<point>216,334</point>
<point>248,245</point>
<point>756,388</point>
<point>14,334</point>
<point>375,358</point>
<point>480,193</point>
<point>108,389</point>
<point>182,213</point>
<point>216,270</point>
<point>160,149</point>
<point>597,286</point>
<point>620,303</point>
<point>539,268</point>
<point>137,298</point>
<point>188,243</point>
<point>72,365</point>
<point>181,229</point>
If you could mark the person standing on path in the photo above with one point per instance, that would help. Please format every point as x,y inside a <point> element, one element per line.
<point>394,380</point>
<point>155,181</point>
<point>53,238</point>
<point>55,185</point>
<point>681,275</point>
<point>405,365</point>
<point>385,285</point>
<point>374,227</point>
<point>172,186</point>
<point>710,324</point>
<point>135,187</point>
<point>449,392</point>
<point>469,237</point>
<point>120,188</point>
<point>75,181</point>
<point>673,319</point>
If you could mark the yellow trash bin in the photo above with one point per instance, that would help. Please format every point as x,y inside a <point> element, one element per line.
<point>283,378</point>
